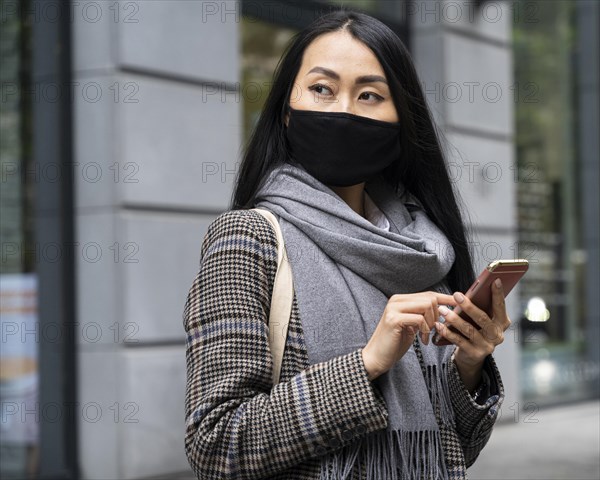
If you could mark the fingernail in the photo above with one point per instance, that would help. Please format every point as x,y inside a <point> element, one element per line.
<point>459,297</point>
<point>498,283</point>
<point>444,310</point>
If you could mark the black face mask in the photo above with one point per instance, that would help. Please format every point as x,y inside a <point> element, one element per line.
<point>342,149</point>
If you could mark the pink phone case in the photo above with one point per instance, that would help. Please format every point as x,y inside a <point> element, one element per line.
<point>509,271</point>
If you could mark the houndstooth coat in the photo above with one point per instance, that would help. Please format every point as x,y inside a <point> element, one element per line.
<point>238,426</point>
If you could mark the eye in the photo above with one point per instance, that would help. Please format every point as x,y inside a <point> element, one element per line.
<point>370,97</point>
<point>320,89</point>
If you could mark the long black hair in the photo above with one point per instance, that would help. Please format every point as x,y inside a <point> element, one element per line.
<point>421,167</point>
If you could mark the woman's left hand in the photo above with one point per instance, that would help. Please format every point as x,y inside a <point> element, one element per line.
<point>474,345</point>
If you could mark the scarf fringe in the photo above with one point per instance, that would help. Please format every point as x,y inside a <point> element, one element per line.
<point>439,393</point>
<point>388,455</point>
<point>396,454</point>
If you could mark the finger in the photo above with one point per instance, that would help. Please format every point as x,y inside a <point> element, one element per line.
<point>432,314</point>
<point>444,299</point>
<point>423,307</point>
<point>480,317</point>
<point>454,338</point>
<point>440,298</point>
<point>489,333</point>
<point>425,328</point>
<point>499,305</point>
<point>451,319</point>
<point>414,323</point>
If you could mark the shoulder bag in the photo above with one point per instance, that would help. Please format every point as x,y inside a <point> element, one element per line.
<point>281,298</point>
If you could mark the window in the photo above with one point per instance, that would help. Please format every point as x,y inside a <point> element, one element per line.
<point>553,295</point>
<point>262,46</point>
<point>19,392</point>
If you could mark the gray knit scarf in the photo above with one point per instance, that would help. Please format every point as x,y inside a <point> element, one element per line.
<point>344,270</point>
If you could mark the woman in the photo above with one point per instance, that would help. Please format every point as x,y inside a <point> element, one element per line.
<point>345,154</point>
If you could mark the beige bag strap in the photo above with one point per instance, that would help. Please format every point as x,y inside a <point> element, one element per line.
<point>281,299</point>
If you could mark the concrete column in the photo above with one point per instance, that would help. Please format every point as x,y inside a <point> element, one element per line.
<point>157,129</point>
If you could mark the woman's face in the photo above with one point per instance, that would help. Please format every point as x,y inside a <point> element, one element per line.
<point>341,74</point>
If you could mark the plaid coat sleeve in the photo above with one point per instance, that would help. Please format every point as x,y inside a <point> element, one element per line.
<point>474,420</point>
<point>238,426</point>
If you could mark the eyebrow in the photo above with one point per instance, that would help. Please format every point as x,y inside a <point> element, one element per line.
<point>359,80</point>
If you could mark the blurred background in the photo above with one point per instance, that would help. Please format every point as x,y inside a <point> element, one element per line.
<point>122,124</point>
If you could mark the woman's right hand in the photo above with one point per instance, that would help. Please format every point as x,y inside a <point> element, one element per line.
<point>403,317</point>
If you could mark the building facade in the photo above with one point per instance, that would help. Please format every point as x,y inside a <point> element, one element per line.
<point>122,126</point>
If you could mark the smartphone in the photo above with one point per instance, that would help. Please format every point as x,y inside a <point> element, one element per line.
<point>480,293</point>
